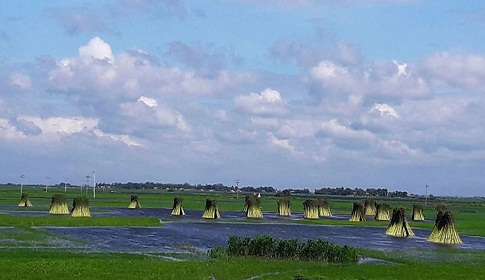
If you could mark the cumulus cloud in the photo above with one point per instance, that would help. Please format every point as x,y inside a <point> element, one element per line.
<point>391,78</point>
<point>27,127</point>
<point>20,81</point>
<point>336,78</point>
<point>101,75</point>
<point>146,112</point>
<point>385,110</point>
<point>96,49</point>
<point>269,102</point>
<point>53,129</point>
<point>461,70</point>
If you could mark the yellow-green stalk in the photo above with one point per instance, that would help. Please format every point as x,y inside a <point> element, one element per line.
<point>25,201</point>
<point>324,207</point>
<point>246,204</point>
<point>253,207</point>
<point>357,214</point>
<point>134,202</point>
<point>310,208</point>
<point>399,226</point>
<point>177,208</point>
<point>80,207</point>
<point>58,205</point>
<point>441,207</point>
<point>211,210</point>
<point>284,206</point>
<point>418,212</point>
<point>382,213</point>
<point>370,208</point>
<point>444,231</point>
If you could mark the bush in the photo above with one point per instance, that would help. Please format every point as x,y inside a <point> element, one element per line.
<point>269,247</point>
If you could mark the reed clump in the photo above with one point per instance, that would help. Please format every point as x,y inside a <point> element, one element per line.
<point>284,206</point>
<point>58,205</point>
<point>80,207</point>
<point>418,214</point>
<point>324,207</point>
<point>134,202</point>
<point>444,231</point>
<point>211,210</point>
<point>370,207</point>
<point>399,226</point>
<point>310,209</point>
<point>253,208</point>
<point>25,201</point>
<point>382,212</point>
<point>357,214</point>
<point>178,209</point>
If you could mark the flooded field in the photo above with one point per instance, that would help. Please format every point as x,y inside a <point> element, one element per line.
<point>191,232</point>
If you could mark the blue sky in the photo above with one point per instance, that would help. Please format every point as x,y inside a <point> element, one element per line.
<point>299,94</point>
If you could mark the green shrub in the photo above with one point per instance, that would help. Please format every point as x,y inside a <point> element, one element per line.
<point>269,247</point>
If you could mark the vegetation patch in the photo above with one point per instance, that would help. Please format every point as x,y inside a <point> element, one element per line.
<point>357,214</point>
<point>67,221</point>
<point>25,201</point>
<point>444,231</point>
<point>134,202</point>
<point>80,207</point>
<point>324,207</point>
<point>178,209</point>
<point>58,205</point>
<point>211,210</point>
<point>284,206</point>
<point>252,206</point>
<point>271,248</point>
<point>418,214</point>
<point>399,226</point>
<point>310,209</point>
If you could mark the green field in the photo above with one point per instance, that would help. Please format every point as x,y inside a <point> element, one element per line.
<point>34,258</point>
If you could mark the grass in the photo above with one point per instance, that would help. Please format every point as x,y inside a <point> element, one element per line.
<point>66,221</point>
<point>33,264</point>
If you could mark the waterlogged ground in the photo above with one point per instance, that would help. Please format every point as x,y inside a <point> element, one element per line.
<point>205,235</point>
<point>191,232</point>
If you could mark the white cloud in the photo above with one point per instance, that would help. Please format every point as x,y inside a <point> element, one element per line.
<point>385,110</point>
<point>96,49</point>
<point>150,102</point>
<point>333,128</point>
<point>60,125</point>
<point>20,81</point>
<point>456,69</point>
<point>335,78</point>
<point>269,102</point>
<point>397,148</point>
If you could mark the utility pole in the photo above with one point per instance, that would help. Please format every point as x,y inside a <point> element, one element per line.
<point>94,185</point>
<point>47,180</point>
<point>21,183</point>
<point>237,188</point>
<point>426,195</point>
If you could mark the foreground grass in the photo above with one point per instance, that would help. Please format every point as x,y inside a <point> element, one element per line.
<point>32,264</point>
<point>66,221</point>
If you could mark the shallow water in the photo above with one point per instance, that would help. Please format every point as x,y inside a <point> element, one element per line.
<point>204,235</point>
<point>191,231</point>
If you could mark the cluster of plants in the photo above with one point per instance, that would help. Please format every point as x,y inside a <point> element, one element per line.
<point>252,207</point>
<point>272,248</point>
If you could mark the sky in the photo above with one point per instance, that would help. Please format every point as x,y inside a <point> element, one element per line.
<point>290,93</point>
